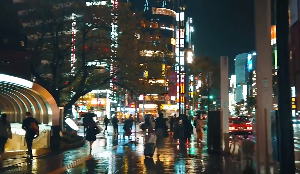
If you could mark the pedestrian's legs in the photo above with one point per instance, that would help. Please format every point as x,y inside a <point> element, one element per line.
<point>29,146</point>
<point>3,141</point>
<point>105,129</point>
<point>116,130</point>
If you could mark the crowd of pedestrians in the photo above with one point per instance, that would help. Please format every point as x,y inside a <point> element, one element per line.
<point>180,128</point>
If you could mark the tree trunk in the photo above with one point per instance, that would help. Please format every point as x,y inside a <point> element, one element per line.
<point>73,100</point>
<point>56,96</point>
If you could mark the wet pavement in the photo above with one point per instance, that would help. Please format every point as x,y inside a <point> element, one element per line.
<point>174,159</point>
<point>115,155</point>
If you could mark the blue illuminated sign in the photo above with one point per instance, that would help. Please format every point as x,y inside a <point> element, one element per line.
<point>250,65</point>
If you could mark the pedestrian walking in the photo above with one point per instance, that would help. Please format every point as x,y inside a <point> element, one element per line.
<point>127,128</point>
<point>178,133</point>
<point>131,121</point>
<point>148,124</point>
<point>172,119</point>
<point>105,121</point>
<point>115,125</point>
<point>91,132</point>
<point>5,132</point>
<point>161,129</point>
<point>199,129</point>
<point>30,125</point>
<point>187,129</point>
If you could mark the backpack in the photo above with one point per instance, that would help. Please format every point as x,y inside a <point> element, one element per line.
<point>34,127</point>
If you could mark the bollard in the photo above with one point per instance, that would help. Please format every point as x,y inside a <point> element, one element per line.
<point>247,153</point>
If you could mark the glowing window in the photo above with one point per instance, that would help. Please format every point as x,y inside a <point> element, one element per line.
<point>164,11</point>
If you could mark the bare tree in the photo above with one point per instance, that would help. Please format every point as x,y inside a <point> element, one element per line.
<point>76,47</point>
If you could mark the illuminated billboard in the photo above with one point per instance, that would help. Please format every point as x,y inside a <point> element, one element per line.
<point>164,11</point>
<point>273,35</point>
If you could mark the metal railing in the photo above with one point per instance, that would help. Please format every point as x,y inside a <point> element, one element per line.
<point>42,135</point>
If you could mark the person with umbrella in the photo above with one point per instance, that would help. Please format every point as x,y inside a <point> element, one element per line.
<point>87,120</point>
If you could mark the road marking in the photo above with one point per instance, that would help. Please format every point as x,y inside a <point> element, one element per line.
<point>72,165</point>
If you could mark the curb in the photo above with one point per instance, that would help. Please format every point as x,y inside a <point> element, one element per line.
<point>73,146</point>
<point>72,165</point>
<point>12,155</point>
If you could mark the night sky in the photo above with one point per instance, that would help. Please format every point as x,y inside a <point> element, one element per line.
<point>222,27</point>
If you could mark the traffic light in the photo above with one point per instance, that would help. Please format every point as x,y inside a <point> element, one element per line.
<point>211,97</point>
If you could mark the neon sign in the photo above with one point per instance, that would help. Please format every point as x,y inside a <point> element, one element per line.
<point>73,41</point>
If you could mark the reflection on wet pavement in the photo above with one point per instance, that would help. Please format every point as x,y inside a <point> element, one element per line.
<point>174,158</point>
<point>112,155</point>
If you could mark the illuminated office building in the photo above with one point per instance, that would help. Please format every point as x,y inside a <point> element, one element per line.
<point>240,72</point>
<point>159,23</point>
<point>251,74</point>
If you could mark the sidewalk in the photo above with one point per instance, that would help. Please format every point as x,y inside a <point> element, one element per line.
<point>173,158</point>
<point>20,154</point>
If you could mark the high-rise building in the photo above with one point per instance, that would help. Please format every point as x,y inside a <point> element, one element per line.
<point>232,93</point>
<point>12,42</point>
<point>251,74</point>
<point>240,72</point>
<point>159,23</point>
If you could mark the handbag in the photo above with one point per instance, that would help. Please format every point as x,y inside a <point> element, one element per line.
<point>152,139</point>
<point>97,130</point>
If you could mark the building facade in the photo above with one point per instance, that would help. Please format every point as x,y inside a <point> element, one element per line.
<point>251,74</point>
<point>159,26</point>
<point>240,72</point>
<point>13,59</point>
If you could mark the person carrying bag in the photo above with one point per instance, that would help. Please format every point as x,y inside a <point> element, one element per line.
<point>199,129</point>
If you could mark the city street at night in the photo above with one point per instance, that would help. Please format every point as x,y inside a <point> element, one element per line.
<point>150,86</point>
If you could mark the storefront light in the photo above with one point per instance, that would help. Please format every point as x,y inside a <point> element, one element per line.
<point>148,106</point>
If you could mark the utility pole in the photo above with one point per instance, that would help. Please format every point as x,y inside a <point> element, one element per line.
<point>224,103</point>
<point>286,133</point>
<point>262,124</point>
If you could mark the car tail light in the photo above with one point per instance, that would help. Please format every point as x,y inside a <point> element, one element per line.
<point>231,128</point>
<point>249,128</point>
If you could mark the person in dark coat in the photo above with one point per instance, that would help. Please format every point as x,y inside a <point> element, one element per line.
<point>91,131</point>
<point>177,129</point>
<point>127,128</point>
<point>106,122</point>
<point>160,130</point>
<point>31,132</point>
<point>115,125</point>
<point>172,119</point>
<point>187,129</point>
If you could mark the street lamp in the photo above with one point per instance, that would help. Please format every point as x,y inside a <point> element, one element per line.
<point>189,77</point>
<point>190,57</point>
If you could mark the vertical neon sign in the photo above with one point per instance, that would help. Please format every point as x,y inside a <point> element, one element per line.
<point>114,45</point>
<point>73,41</point>
<point>180,58</point>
